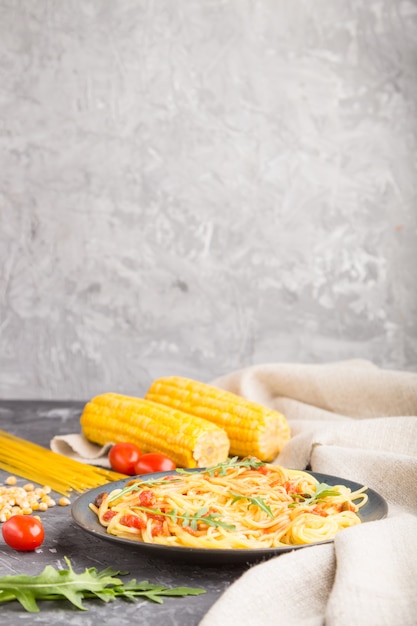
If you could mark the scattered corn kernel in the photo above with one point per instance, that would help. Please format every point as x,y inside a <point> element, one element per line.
<point>64,501</point>
<point>27,510</point>
<point>15,500</point>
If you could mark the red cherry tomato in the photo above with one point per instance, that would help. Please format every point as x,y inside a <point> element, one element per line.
<point>154,462</point>
<point>123,456</point>
<point>23,532</point>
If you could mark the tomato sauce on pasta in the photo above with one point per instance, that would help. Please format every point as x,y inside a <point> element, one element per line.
<point>240,504</point>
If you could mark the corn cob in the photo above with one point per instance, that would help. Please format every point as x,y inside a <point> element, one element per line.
<point>189,441</point>
<point>253,429</point>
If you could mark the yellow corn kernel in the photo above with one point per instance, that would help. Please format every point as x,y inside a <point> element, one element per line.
<point>253,429</point>
<point>11,480</point>
<point>29,487</point>
<point>26,510</point>
<point>64,501</point>
<point>189,441</point>
<point>43,506</point>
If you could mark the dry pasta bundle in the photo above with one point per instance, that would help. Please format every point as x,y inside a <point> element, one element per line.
<point>241,504</point>
<point>38,464</point>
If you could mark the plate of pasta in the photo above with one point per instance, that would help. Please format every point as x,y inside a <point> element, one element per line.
<point>240,511</point>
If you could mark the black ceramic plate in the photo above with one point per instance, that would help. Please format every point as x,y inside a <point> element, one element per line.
<point>376,508</point>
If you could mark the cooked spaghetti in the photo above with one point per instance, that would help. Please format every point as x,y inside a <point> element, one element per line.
<point>243,504</point>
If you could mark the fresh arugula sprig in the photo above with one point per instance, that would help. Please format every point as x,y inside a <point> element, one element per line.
<point>322,490</point>
<point>234,462</point>
<point>255,500</point>
<point>231,463</point>
<point>138,486</point>
<point>65,584</point>
<point>188,519</point>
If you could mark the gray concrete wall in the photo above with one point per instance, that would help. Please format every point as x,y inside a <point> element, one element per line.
<point>193,186</point>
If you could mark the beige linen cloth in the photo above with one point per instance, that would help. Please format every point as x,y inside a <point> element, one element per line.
<point>352,420</point>
<point>359,422</point>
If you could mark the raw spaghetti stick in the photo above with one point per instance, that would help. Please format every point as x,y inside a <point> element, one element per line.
<point>38,464</point>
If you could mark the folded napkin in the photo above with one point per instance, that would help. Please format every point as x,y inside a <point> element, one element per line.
<point>359,422</point>
<point>77,447</point>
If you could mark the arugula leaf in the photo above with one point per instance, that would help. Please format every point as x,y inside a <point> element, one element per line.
<point>26,589</point>
<point>322,490</point>
<point>53,584</point>
<point>221,468</point>
<point>154,592</point>
<point>248,463</point>
<point>138,486</point>
<point>255,500</point>
<point>189,519</point>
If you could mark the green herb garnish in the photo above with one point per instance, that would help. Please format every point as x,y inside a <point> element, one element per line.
<point>247,463</point>
<point>65,584</point>
<point>202,515</point>
<point>255,500</point>
<point>322,490</point>
<point>138,486</point>
<point>221,468</point>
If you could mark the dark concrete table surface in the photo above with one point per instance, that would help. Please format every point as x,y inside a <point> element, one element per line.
<point>38,421</point>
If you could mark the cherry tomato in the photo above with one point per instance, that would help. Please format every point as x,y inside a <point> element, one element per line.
<point>23,532</point>
<point>154,462</point>
<point>123,456</point>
